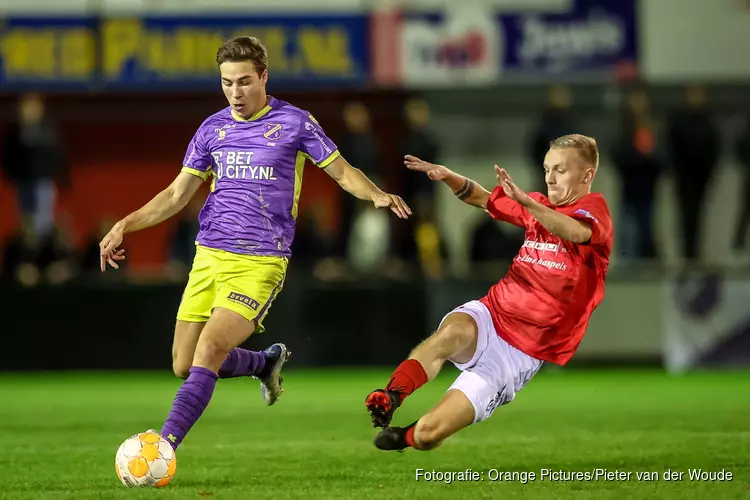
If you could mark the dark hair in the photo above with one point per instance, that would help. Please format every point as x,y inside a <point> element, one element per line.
<point>586,147</point>
<point>244,48</point>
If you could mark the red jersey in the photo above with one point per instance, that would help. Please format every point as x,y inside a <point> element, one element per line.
<point>542,306</point>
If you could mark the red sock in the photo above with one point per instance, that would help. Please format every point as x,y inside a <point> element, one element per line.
<point>409,436</point>
<point>408,377</point>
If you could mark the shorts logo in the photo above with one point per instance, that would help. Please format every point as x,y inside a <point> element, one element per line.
<point>497,400</point>
<point>244,300</point>
<point>272,131</point>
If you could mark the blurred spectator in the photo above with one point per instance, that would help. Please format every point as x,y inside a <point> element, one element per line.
<point>370,237</point>
<point>315,242</point>
<point>419,141</point>
<point>743,155</point>
<point>358,146</point>
<point>639,164</point>
<point>492,244</point>
<point>694,151</point>
<point>29,259</point>
<point>424,250</point>
<point>556,121</point>
<point>33,159</point>
<point>182,244</point>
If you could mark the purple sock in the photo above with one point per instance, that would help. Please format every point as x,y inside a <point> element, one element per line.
<point>189,403</point>
<point>242,363</point>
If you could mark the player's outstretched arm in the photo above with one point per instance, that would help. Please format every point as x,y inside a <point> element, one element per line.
<point>556,223</point>
<point>353,181</point>
<point>464,188</point>
<point>161,207</point>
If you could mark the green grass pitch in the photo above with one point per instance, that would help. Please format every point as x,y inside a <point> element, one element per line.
<point>59,433</point>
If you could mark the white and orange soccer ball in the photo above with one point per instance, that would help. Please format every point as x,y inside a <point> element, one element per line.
<point>145,459</point>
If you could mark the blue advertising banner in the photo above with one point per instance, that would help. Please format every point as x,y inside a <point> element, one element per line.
<point>593,36</point>
<point>47,50</point>
<point>179,52</point>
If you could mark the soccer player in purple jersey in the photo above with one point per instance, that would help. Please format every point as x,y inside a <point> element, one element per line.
<point>254,151</point>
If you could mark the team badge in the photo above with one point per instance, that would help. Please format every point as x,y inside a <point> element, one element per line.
<point>272,131</point>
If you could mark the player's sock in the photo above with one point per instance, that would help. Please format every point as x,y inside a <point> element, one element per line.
<point>407,378</point>
<point>242,363</point>
<point>189,403</point>
<point>409,434</point>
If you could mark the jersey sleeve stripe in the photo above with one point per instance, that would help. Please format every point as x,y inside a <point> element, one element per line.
<point>329,159</point>
<point>195,172</point>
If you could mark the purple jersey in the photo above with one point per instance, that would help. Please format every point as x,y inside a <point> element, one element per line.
<point>256,165</point>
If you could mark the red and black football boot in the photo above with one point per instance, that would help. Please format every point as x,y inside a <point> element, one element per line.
<point>381,404</point>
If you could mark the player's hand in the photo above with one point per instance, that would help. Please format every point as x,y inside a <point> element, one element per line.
<point>395,203</point>
<point>433,171</point>
<point>108,249</point>
<point>512,191</point>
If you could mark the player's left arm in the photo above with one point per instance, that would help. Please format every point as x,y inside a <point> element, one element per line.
<point>315,145</point>
<point>564,226</point>
<point>355,182</point>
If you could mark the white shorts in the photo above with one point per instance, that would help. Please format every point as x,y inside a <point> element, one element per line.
<point>497,371</point>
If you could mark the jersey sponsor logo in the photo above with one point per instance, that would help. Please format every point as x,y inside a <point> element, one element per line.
<point>542,246</point>
<point>237,165</point>
<point>244,300</point>
<point>311,128</point>
<point>549,264</point>
<point>221,133</point>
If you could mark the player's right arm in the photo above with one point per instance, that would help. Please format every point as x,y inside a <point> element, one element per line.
<point>195,170</point>
<point>464,188</point>
<point>164,205</point>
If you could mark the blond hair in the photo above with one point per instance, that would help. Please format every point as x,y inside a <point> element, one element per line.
<point>586,147</point>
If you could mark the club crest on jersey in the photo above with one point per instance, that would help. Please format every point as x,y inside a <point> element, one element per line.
<point>272,131</point>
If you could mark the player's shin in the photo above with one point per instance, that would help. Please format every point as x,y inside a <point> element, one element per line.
<point>242,363</point>
<point>189,403</point>
<point>407,378</point>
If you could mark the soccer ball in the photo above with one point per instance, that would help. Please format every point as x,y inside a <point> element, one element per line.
<point>145,459</point>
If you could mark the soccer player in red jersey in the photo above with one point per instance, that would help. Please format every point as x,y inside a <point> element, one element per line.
<point>537,312</point>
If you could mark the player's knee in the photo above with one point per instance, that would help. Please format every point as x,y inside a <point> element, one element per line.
<point>428,434</point>
<point>180,368</point>
<point>210,348</point>
<point>453,337</point>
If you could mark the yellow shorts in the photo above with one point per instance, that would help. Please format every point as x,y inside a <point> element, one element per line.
<point>245,284</point>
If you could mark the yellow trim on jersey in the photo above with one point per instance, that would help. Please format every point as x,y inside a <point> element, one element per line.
<point>299,168</point>
<point>260,114</point>
<point>195,172</point>
<point>329,160</point>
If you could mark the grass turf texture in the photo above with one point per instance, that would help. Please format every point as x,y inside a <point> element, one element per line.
<point>59,433</point>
